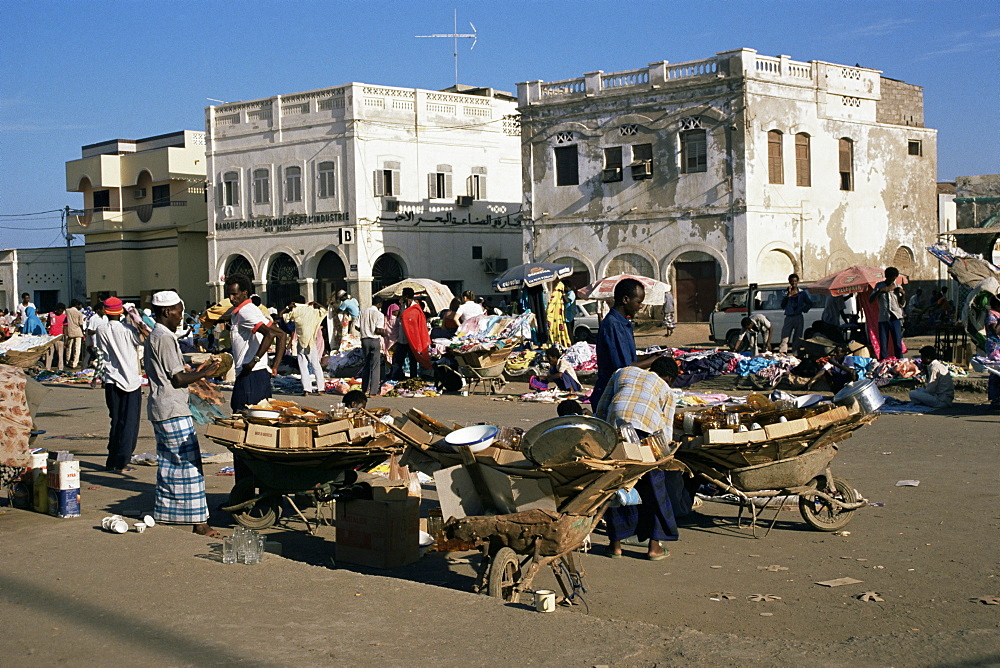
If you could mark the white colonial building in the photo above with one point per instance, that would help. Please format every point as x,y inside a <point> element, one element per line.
<point>734,169</point>
<point>359,186</point>
<point>49,275</point>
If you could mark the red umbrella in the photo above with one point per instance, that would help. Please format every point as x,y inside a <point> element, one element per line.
<point>850,280</point>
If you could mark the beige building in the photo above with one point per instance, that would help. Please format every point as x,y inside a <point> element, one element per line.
<point>732,169</point>
<point>144,218</point>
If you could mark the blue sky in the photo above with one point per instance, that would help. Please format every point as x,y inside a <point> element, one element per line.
<point>79,72</point>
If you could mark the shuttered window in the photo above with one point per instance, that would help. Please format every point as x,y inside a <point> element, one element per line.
<point>293,184</point>
<point>439,183</point>
<point>567,167</point>
<point>803,170</point>
<point>694,151</point>
<point>846,164</point>
<point>261,186</point>
<point>775,170</point>
<point>326,174</point>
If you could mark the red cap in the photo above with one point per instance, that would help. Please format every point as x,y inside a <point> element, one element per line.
<point>113,306</point>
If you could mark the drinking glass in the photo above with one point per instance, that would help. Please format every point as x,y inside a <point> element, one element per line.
<point>228,550</point>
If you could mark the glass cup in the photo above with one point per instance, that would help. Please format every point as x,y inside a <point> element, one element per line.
<point>228,550</point>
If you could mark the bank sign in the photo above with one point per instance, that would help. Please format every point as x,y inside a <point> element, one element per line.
<point>282,224</point>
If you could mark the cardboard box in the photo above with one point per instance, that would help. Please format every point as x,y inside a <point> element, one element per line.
<point>756,435</point>
<point>504,457</point>
<point>719,436</point>
<point>390,492</point>
<point>261,435</point>
<point>508,494</point>
<point>64,502</point>
<point>414,431</point>
<point>338,438</point>
<point>63,475</point>
<point>358,433</point>
<point>633,452</point>
<point>224,433</point>
<point>381,534</point>
<point>831,416</point>
<point>295,437</point>
<point>785,429</point>
<point>332,427</point>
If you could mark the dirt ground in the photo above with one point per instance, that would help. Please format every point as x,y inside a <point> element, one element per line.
<point>71,592</point>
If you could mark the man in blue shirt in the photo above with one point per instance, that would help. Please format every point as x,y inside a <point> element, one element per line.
<point>795,302</point>
<point>616,338</point>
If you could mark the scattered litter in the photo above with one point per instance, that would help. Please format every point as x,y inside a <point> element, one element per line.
<point>870,597</point>
<point>878,566</point>
<point>144,459</point>
<point>763,598</point>
<point>721,596</point>
<point>908,483</point>
<point>226,470</point>
<point>987,600</point>
<point>876,504</point>
<point>753,555</point>
<point>690,553</point>
<point>766,614</point>
<point>75,437</point>
<point>715,566</point>
<point>93,487</point>
<point>887,453</point>
<point>841,533</point>
<point>773,568</point>
<point>847,557</point>
<point>862,559</point>
<point>839,581</point>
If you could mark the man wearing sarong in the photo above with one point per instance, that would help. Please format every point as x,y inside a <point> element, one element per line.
<point>640,398</point>
<point>180,483</point>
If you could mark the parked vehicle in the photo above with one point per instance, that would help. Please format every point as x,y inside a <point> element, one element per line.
<point>586,323</point>
<point>724,321</point>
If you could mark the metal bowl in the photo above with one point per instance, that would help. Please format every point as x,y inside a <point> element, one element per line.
<point>564,439</point>
<point>863,392</point>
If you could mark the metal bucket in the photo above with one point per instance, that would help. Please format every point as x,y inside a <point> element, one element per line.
<point>863,392</point>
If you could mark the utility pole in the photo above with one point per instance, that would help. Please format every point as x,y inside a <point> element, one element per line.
<point>69,253</point>
<point>455,35</point>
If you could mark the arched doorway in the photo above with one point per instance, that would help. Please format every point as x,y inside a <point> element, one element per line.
<point>696,285</point>
<point>774,267</point>
<point>580,276</point>
<point>282,281</point>
<point>239,266</point>
<point>330,276</point>
<point>388,269</point>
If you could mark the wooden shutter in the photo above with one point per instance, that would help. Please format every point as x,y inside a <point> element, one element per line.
<point>845,155</point>
<point>395,183</point>
<point>775,170</point>
<point>377,180</point>
<point>447,186</point>
<point>432,182</point>
<point>803,167</point>
<point>482,187</point>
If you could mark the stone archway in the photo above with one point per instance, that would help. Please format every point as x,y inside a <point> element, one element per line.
<point>696,285</point>
<point>239,266</point>
<point>330,277</point>
<point>282,281</point>
<point>774,266</point>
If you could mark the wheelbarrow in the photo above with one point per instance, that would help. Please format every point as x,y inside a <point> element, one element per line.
<point>492,376</point>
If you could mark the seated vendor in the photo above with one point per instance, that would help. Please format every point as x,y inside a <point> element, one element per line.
<point>355,399</point>
<point>561,372</point>
<point>939,388</point>
<point>444,326</point>
<point>837,369</point>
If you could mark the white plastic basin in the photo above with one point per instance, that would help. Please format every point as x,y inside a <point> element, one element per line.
<point>478,437</point>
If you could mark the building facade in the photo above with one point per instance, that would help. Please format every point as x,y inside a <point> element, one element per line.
<point>143,219</point>
<point>359,186</point>
<point>733,169</point>
<point>49,275</point>
<point>977,215</point>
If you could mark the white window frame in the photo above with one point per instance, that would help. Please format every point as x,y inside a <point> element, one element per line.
<point>261,185</point>
<point>439,183</point>
<point>387,181</point>
<point>293,183</point>
<point>326,180</point>
<point>230,188</point>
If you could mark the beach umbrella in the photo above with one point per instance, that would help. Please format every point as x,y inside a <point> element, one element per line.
<point>529,275</point>
<point>850,280</point>
<point>439,294</point>
<point>656,290</point>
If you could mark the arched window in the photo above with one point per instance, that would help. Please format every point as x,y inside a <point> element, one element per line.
<point>803,167</point>
<point>775,170</point>
<point>327,176</point>
<point>630,263</point>
<point>239,266</point>
<point>261,186</point>
<point>386,271</point>
<point>293,184</point>
<point>282,281</point>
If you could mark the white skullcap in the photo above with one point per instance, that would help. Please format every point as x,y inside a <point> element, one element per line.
<point>166,298</point>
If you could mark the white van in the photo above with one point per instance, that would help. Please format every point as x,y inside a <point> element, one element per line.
<point>724,321</point>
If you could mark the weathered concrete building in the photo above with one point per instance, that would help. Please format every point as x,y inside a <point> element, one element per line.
<point>360,186</point>
<point>49,275</point>
<point>977,215</point>
<point>733,169</point>
<point>143,216</point>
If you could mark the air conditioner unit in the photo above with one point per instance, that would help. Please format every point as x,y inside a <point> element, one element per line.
<point>611,174</point>
<point>642,170</point>
<point>464,200</point>
<point>139,193</point>
<point>390,204</point>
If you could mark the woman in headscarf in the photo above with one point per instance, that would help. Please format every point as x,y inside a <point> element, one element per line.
<point>555,317</point>
<point>389,337</point>
<point>32,324</point>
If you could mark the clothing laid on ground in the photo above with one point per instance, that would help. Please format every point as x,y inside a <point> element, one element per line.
<point>615,349</point>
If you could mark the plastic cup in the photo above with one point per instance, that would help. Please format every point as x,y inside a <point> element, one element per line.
<point>119,525</point>
<point>139,527</point>
<point>149,521</point>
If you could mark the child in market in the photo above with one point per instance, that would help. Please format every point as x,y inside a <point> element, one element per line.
<point>561,372</point>
<point>355,399</point>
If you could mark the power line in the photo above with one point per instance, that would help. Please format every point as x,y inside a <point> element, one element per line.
<point>37,213</point>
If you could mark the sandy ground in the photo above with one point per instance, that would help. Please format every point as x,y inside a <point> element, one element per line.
<point>70,592</point>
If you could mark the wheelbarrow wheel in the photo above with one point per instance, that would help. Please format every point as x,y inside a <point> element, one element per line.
<point>504,575</point>
<point>261,515</point>
<point>819,513</point>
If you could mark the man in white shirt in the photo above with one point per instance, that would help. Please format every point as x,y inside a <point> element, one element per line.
<point>25,303</point>
<point>252,335</point>
<point>94,323</point>
<point>469,307</point>
<point>372,326</point>
<point>117,342</point>
<point>939,390</point>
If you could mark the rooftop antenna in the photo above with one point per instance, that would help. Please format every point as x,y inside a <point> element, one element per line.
<point>455,35</point>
